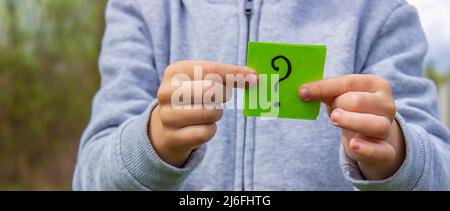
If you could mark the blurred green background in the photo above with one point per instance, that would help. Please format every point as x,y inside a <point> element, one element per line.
<point>48,76</point>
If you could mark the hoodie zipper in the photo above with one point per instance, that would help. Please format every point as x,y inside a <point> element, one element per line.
<point>248,7</point>
<point>248,12</point>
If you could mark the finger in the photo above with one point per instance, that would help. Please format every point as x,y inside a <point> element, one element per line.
<point>370,125</point>
<point>194,135</point>
<point>184,117</point>
<point>233,75</point>
<point>364,101</point>
<point>194,92</point>
<point>371,150</point>
<point>328,89</point>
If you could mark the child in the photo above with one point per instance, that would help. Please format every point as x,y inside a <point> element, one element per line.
<point>379,106</point>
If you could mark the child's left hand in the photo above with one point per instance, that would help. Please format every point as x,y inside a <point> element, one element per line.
<point>362,105</point>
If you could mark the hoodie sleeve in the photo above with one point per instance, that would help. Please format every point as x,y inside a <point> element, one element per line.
<point>115,152</point>
<point>397,55</point>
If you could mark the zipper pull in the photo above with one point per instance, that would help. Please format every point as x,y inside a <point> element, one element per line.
<point>248,7</point>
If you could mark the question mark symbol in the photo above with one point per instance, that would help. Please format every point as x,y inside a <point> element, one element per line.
<point>276,68</point>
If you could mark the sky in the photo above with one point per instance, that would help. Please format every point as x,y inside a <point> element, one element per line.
<point>435,18</point>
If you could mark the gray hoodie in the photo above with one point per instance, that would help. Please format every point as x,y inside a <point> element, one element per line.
<point>142,37</point>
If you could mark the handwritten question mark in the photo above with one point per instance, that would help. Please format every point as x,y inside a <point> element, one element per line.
<point>276,68</point>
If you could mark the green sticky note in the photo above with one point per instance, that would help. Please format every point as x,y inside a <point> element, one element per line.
<point>283,69</point>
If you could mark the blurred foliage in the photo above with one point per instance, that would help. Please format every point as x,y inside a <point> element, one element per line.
<point>439,77</point>
<point>48,75</point>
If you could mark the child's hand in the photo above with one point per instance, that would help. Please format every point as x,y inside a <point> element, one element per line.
<point>362,105</point>
<point>175,132</point>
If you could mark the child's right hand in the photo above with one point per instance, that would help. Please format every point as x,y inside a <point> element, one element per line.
<point>175,132</point>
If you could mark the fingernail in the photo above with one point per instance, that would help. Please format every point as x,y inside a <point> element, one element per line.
<point>249,70</point>
<point>252,80</point>
<point>304,94</point>
<point>336,115</point>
